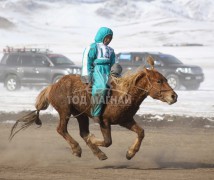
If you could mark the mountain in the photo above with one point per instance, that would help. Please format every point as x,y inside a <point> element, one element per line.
<point>136,23</point>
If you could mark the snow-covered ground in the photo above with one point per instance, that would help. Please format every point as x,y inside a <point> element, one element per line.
<point>68,26</point>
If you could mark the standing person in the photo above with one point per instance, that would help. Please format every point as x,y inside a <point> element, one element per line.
<point>98,59</point>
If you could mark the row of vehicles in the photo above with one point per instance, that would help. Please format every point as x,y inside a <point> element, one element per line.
<point>178,74</point>
<point>33,67</point>
<point>41,67</point>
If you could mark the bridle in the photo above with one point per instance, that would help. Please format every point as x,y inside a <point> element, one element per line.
<point>153,87</point>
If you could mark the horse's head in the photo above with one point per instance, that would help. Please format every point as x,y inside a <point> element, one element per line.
<point>151,82</point>
<point>158,88</point>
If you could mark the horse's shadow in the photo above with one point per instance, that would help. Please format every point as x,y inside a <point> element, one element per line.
<point>163,165</point>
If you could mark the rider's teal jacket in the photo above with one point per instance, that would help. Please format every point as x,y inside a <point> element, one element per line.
<point>96,66</point>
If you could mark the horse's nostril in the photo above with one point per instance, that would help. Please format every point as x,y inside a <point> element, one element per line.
<point>174,96</point>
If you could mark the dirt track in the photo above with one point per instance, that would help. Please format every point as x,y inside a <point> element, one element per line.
<point>166,153</point>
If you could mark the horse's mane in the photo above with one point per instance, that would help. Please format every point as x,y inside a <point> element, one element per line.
<point>127,81</point>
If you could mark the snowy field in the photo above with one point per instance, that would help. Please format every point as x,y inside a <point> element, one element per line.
<point>69,26</point>
<point>192,103</point>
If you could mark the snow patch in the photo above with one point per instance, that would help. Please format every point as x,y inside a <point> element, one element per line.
<point>9,122</point>
<point>157,117</point>
<point>170,120</point>
<point>208,126</point>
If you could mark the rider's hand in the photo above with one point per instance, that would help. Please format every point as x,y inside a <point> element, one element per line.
<point>89,87</point>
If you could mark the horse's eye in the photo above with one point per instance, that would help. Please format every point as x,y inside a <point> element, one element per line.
<point>159,81</point>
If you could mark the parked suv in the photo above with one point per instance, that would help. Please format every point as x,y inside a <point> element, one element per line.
<point>177,73</point>
<point>33,67</point>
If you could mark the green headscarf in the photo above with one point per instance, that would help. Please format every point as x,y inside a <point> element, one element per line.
<point>102,33</point>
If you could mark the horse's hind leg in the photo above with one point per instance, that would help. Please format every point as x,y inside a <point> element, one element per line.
<point>133,126</point>
<point>62,130</point>
<point>85,134</point>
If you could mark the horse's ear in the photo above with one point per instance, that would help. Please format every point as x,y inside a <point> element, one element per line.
<point>145,70</point>
<point>150,61</point>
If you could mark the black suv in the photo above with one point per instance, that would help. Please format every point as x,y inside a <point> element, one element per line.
<point>177,73</point>
<point>33,67</point>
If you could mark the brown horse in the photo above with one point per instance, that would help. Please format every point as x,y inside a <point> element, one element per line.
<point>69,96</point>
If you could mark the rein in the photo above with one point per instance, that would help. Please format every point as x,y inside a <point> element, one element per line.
<point>152,86</point>
<point>82,111</point>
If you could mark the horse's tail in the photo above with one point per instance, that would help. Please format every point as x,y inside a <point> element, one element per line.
<point>42,103</point>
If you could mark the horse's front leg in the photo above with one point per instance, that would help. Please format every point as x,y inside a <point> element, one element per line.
<point>105,128</point>
<point>133,126</point>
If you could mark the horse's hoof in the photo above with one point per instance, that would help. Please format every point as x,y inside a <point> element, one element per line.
<point>102,156</point>
<point>77,152</point>
<point>129,156</point>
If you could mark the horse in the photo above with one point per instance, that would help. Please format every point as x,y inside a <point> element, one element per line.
<point>69,96</point>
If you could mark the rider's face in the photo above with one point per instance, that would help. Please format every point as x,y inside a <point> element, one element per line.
<point>107,39</point>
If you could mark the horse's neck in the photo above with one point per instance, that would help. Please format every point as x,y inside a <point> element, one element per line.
<point>139,91</point>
